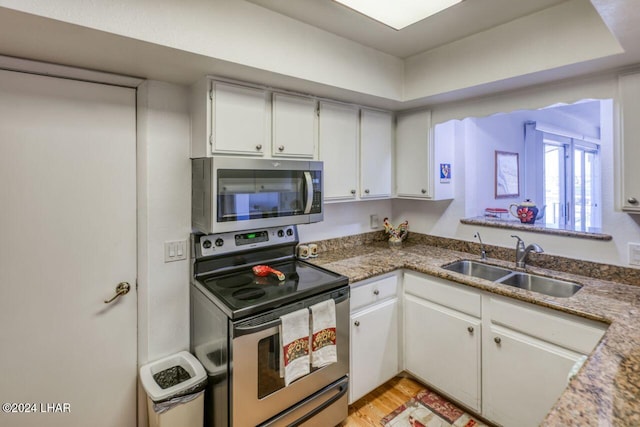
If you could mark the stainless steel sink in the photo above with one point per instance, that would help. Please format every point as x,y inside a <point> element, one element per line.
<point>530,282</point>
<point>478,269</point>
<point>542,285</point>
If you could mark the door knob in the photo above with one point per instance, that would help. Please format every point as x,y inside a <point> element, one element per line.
<point>259,147</point>
<point>497,340</point>
<point>366,191</point>
<point>357,323</point>
<point>281,148</point>
<point>423,191</point>
<point>376,292</point>
<point>470,329</point>
<point>123,288</point>
<point>632,201</point>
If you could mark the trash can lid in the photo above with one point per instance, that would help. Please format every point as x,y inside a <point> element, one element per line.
<point>167,366</point>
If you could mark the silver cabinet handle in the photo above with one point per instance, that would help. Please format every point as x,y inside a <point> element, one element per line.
<point>376,292</point>
<point>357,323</point>
<point>497,340</point>
<point>259,147</point>
<point>353,191</point>
<point>632,201</point>
<point>123,288</point>
<point>281,148</point>
<point>423,191</point>
<point>470,329</point>
<point>366,191</point>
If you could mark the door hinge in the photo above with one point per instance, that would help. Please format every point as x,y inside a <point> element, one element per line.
<point>211,94</point>
<point>211,140</point>
<point>318,111</point>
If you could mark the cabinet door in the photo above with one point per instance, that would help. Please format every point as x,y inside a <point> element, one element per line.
<point>376,138</point>
<point>294,121</point>
<point>630,141</point>
<point>522,377</point>
<point>338,141</point>
<point>239,120</point>
<point>374,348</point>
<point>413,160</point>
<point>442,347</point>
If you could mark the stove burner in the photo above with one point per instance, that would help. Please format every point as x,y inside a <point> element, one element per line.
<point>248,293</point>
<point>231,281</point>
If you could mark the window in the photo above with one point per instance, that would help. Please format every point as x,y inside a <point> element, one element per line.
<point>571,180</point>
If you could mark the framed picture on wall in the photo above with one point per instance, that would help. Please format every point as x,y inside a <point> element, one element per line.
<point>507,174</point>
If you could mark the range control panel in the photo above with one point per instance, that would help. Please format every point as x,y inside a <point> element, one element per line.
<point>224,243</point>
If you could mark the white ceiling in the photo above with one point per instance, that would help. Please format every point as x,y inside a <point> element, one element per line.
<point>462,20</point>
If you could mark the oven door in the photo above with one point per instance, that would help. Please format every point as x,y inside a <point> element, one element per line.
<point>258,393</point>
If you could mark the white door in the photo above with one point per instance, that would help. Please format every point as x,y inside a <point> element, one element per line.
<point>442,348</point>
<point>374,348</point>
<point>67,238</point>
<point>338,143</point>
<point>522,377</point>
<point>376,140</point>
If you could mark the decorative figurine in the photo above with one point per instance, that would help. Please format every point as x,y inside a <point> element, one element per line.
<point>396,234</point>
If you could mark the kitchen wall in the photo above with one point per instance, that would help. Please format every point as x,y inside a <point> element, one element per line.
<point>505,132</point>
<point>345,219</point>
<point>565,34</point>
<point>164,214</point>
<point>236,32</point>
<point>442,218</point>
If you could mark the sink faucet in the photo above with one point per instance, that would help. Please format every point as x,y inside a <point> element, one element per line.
<point>483,252</point>
<point>522,252</point>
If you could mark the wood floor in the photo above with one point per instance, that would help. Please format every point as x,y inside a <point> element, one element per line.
<point>369,410</point>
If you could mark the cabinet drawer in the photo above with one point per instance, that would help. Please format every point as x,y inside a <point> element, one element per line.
<point>370,292</point>
<point>563,329</point>
<point>443,292</point>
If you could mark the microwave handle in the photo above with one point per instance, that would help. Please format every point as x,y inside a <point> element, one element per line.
<point>309,200</point>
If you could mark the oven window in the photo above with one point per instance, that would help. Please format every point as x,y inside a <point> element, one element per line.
<point>269,366</point>
<point>254,194</point>
<point>269,379</point>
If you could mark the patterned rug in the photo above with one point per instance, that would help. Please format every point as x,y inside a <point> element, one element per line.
<point>429,409</point>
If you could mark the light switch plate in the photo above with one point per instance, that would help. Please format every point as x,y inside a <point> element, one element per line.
<point>634,253</point>
<point>175,250</point>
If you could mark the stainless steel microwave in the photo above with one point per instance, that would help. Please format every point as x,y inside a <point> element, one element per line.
<point>232,193</point>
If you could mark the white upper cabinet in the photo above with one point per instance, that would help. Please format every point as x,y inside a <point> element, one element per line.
<point>229,119</point>
<point>238,120</point>
<point>629,90</point>
<point>419,160</point>
<point>294,126</point>
<point>376,154</point>
<point>338,143</point>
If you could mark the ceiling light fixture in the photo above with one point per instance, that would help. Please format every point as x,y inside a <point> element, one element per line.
<point>398,14</point>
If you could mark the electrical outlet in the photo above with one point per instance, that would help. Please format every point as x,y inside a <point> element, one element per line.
<point>634,253</point>
<point>373,221</point>
<point>175,250</point>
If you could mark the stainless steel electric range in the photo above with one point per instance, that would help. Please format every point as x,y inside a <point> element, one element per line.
<point>235,318</point>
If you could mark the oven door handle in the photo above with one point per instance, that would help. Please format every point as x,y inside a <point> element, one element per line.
<point>239,330</point>
<point>309,200</point>
<point>251,328</point>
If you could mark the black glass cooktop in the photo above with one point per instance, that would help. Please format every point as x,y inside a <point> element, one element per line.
<point>244,293</point>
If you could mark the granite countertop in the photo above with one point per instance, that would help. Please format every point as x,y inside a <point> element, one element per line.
<point>606,390</point>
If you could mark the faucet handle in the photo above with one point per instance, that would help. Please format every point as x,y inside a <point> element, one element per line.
<point>520,242</point>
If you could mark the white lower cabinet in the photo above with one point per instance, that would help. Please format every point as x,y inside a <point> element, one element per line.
<point>505,359</point>
<point>375,336</point>
<point>522,377</point>
<point>442,347</point>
